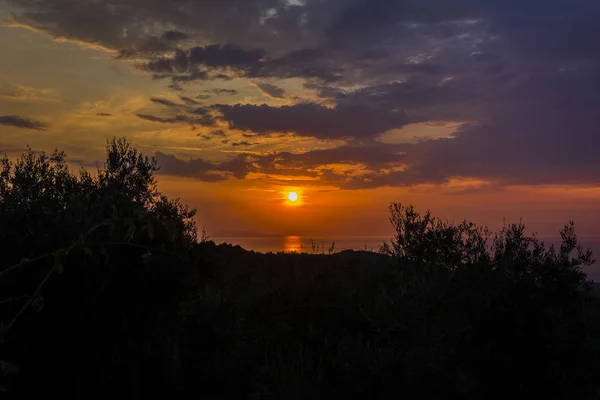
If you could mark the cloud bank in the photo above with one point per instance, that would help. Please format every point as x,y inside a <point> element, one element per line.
<point>523,77</point>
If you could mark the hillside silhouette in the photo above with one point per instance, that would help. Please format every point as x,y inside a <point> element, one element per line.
<point>107,291</point>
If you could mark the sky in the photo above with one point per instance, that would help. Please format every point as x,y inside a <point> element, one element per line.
<point>479,109</point>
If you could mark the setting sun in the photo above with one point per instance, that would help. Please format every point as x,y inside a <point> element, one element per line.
<point>293,196</point>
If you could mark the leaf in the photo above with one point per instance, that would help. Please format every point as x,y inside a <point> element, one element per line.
<point>150,230</point>
<point>147,258</point>
<point>25,261</point>
<point>87,251</point>
<point>111,229</point>
<point>38,304</point>
<point>7,368</point>
<point>130,232</point>
<point>60,257</point>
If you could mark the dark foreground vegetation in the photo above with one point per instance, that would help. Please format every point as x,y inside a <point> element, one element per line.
<point>106,292</point>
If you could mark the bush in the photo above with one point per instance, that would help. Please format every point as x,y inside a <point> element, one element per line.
<point>518,304</point>
<point>109,257</point>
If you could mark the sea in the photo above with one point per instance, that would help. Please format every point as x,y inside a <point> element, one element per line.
<point>326,245</point>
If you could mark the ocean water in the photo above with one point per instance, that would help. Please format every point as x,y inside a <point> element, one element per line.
<point>301,244</point>
<point>370,243</point>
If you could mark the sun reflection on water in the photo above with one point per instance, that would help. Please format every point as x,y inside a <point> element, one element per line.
<point>293,244</point>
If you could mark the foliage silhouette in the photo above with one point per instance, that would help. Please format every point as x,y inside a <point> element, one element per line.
<point>107,291</point>
<point>122,250</point>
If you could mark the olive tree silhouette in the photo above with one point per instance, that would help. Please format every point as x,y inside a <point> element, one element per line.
<point>108,256</point>
<point>511,305</point>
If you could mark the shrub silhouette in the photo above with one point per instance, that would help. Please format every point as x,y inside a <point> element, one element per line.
<point>519,302</point>
<point>112,254</point>
<point>106,292</point>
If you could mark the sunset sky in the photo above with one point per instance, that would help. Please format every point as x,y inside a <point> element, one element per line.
<point>478,109</point>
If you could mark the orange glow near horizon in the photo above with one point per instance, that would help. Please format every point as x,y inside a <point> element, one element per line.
<point>329,212</point>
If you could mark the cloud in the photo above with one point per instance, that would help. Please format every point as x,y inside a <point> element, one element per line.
<point>196,62</point>
<point>243,143</point>
<point>238,167</point>
<point>209,62</point>
<point>271,90</point>
<point>312,120</point>
<point>104,115</point>
<point>376,156</point>
<point>191,112</point>
<point>164,102</point>
<point>205,120</point>
<point>374,161</point>
<point>174,36</point>
<point>188,101</point>
<point>218,56</point>
<point>15,91</point>
<point>230,92</point>
<point>22,122</point>
<point>522,77</point>
<point>213,134</point>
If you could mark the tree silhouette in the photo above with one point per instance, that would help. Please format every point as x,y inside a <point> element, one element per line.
<point>93,248</point>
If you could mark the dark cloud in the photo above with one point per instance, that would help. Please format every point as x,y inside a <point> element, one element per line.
<point>177,69</point>
<point>556,28</point>
<point>104,115</point>
<point>195,63</point>
<point>238,167</point>
<point>159,119</point>
<point>375,156</point>
<point>193,75</point>
<point>175,86</point>
<point>128,23</point>
<point>271,90</point>
<point>22,122</point>
<point>212,135</point>
<point>174,36</point>
<point>206,120</point>
<point>224,56</point>
<point>204,111</point>
<point>204,62</point>
<point>305,63</point>
<point>312,119</point>
<point>231,92</point>
<point>243,143</point>
<point>191,112</point>
<point>164,102</point>
<point>188,101</point>
<point>196,168</point>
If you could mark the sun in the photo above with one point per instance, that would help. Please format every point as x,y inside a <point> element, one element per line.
<point>293,197</point>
